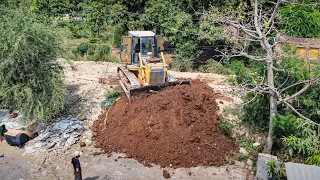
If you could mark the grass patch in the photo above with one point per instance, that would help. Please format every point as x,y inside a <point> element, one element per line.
<point>242,157</point>
<point>231,111</point>
<point>226,128</point>
<point>247,144</point>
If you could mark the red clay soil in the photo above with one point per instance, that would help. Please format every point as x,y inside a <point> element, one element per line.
<point>175,127</point>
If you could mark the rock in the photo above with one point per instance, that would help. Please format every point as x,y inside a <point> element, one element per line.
<point>243,151</point>
<point>88,134</point>
<point>82,144</point>
<point>237,163</point>
<point>166,174</point>
<point>88,142</point>
<point>29,150</point>
<point>256,144</point>
<point>249,162</point>
<point>94,134</point>
<point>38,145</point>
<point>150,123</point>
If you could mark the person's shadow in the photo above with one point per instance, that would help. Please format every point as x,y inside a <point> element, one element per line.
<point>92,178</point>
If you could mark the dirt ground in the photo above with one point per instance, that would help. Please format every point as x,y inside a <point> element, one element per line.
<point>180,131</point>
<point>85,92</point>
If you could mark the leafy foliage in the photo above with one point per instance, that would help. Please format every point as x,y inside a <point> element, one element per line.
<point>256,113</point>
<point>242,157</point>
<point>276,172</point>
<point>313,160</point>
<point>247,143</point>
<point>305,142</point>
<point>184,55</point>
<point>290,143</point>
<point>226,128</point>
<point>212,66</point>
<point>118,31</point>
<point>30,78</point>
<point>285,125</point>
<point>94,16</point>
<point>94,52</point>
<point>112,93</point>
<point>300,20</point>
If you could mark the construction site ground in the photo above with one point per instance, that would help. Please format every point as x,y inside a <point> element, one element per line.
<point>86,83</point>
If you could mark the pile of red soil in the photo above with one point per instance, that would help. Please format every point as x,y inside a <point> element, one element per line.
<point>175,127</point>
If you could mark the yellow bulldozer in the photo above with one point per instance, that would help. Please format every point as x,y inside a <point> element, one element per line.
<point>144,66</point>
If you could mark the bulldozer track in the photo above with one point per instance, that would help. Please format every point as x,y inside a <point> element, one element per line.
<point>133,80</point>
<point>128,80</point>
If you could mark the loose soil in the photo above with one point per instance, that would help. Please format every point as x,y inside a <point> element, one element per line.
<point>175,127</point>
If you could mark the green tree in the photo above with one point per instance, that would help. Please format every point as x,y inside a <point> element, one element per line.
<point>300,20</point>
<point>95,16</point>
<point>30,78</point>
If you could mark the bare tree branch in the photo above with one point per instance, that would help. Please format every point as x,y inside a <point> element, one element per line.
<point>256,23</point>
<point>299,114</point>
<point>280,70</point>
<point>295,94</point>
<point>274,13</point>
<point>301,82</point>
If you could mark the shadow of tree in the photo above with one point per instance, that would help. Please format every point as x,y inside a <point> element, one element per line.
<point>92,178</point>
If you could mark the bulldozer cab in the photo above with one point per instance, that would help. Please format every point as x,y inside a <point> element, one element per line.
<point>146,43</point>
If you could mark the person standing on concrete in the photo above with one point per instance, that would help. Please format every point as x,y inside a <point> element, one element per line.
<point>76,168</point>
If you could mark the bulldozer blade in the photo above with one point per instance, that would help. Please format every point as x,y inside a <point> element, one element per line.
<point>158,87</point>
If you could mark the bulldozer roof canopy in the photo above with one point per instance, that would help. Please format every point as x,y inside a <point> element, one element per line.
<point>141,33</point>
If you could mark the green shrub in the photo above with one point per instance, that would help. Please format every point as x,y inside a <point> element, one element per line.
<point>212,66</point>
<point>246,143</point>
<point>118,31</point>
<point>74,29</point>
<point>300,20</point>
<point>112,93</point>
<point>182,64</point>
<point>256,113</point>
<point>285,125</point>
<point>113,59</point>
<point>291,144</point>
<point>242,157</point>
<point>276,172</point>
<point>82,49</point>
<point>93,52</point>
<point>30,77</point>
<point>102,51</point>
<point>305,142</point>
<point>106,37</point>
<point>183,57</point>
<point>91,49</point>
<point>313,160</point>
<point>93,39</point>
<point>226,128</point>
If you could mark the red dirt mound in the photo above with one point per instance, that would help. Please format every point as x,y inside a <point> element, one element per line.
<point>175,127</point>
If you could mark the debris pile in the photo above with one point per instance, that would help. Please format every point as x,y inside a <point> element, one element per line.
<point>59,137</point>
<point>176,127</point>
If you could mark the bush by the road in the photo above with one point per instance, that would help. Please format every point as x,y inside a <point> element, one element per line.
<point>30,78</point>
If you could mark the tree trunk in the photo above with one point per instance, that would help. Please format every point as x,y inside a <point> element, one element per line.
<point>272,95</point>
<point>272,110</point>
